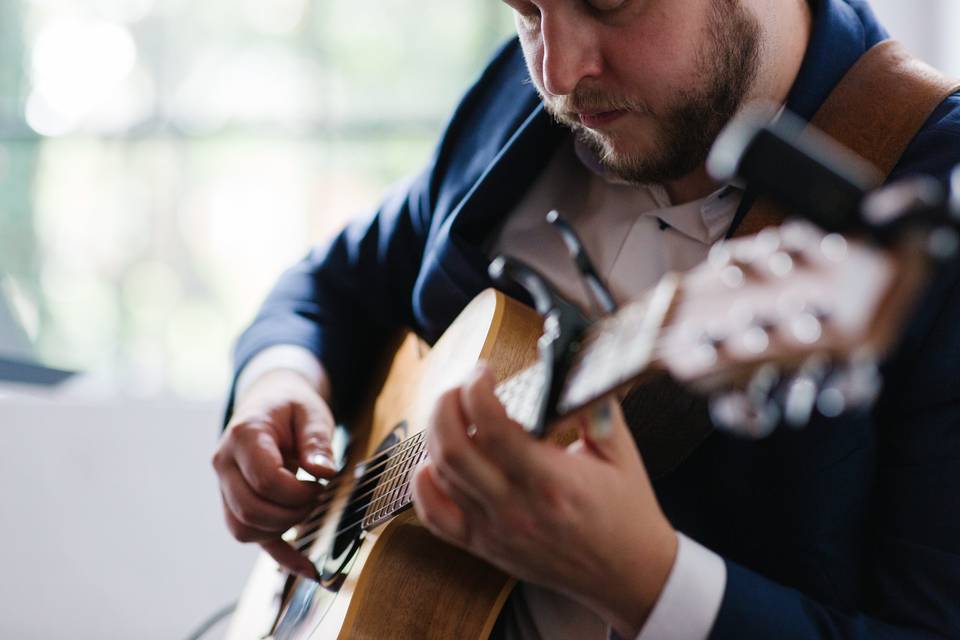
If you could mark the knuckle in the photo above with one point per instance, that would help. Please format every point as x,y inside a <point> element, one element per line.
<point>450,457</point>
<point>247,514</point>
<point>314,440</point>
<point>489,438</point>
<point>518,522</point>
<point>238,531</point>
<point>488,543</point>
<point>246,535</point>
<point>445,406</point>
<point>264,484</point>
<point>247,430</point>
<point>547,493</point>
<point>218,459</point>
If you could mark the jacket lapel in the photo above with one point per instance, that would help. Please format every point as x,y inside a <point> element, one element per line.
<point>455,261</point>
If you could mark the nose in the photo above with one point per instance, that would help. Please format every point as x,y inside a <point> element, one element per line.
<point>570,54</point>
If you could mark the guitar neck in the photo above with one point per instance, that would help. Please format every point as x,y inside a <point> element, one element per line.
<point>614,352</point>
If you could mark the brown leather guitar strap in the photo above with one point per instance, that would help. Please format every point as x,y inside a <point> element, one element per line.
<point>876,110</point>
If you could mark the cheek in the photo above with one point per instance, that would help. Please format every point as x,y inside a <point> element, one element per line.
<point>656,58</point>
<point>533,55</point>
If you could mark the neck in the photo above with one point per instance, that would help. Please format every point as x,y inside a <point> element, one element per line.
<point>693,186</point>
<point>787,30</point>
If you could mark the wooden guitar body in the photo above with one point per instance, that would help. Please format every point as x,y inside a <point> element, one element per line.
<point>398,581</point>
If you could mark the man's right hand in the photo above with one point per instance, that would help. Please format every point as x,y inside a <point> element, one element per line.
<point>280,422</point>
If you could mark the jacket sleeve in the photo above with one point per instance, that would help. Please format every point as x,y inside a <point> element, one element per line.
<point>346,299</point>
<point>911,565</point>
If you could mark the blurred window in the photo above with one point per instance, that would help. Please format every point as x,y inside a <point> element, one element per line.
<point>161,161</point>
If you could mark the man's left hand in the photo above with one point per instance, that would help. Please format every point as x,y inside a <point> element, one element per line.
<point>581,520</point>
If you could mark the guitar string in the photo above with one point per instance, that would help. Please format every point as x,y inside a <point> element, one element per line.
<point>306,541</point>
<point>401,487</point>
<point>336,482</point>
<point>657,353</point>
<point>331,488</point>
<point>401,462</point>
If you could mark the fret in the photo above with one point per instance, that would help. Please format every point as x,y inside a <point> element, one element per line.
<point>394,495</point>
<point>520,394</point>
<point>397,471</point>
<point>403,476</point>
<point>618,347</point>
<point>381,491</point>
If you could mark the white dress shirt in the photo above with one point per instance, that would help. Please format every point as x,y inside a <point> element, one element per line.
<point>634,236</point>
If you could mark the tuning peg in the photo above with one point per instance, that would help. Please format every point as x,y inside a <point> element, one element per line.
<point>753,412</point>
<point>854,386</point>
<point>736,413</point>
<point>801,392</point>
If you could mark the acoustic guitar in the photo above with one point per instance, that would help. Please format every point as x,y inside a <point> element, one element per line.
<point>788,297</point>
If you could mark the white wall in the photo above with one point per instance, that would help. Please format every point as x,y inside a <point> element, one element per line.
<point>110,523</point>
<point>927,27</point>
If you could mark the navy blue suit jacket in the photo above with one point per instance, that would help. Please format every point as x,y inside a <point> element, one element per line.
<point>848,528</point>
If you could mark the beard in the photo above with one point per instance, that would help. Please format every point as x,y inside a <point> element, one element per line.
<point>686,129</point>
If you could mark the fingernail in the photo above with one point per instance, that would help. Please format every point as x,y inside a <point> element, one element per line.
<point>601,422</point>
<point>321,460</point>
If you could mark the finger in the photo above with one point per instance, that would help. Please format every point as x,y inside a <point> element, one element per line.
<point>436,510</point>
<point>242,532</point>
<point>290,559</point>
<point>475,511</point>
<point>455,455</point>
<point>252,510</point>
<point>605,433</point>
<point>313,430</point>
<point>260,461</point>
<point>499,437</point>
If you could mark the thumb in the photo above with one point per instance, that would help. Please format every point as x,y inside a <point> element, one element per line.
<point>313,433</point>
<point>604,431</point>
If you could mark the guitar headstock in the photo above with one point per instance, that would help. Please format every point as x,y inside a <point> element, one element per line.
<point>782,313</point>
<point>777,298</point>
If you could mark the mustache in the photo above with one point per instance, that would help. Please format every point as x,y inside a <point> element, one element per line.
<point>591,100</point>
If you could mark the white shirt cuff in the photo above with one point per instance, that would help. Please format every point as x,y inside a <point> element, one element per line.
<point>690,600</point>
<point>281,356</point>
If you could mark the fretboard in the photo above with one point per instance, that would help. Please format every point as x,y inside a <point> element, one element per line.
<point>520,395</point>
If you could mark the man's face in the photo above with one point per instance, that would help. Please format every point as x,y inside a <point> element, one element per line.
<point>648,84</point>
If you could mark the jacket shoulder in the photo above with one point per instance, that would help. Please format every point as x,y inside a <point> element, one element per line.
<point>488,115</point>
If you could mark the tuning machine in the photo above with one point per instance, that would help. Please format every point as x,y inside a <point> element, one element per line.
<point>855,385</point>
<point>801,392</point>
<point>753,412</point>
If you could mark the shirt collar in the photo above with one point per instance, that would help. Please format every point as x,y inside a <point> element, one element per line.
<point>704,220</point>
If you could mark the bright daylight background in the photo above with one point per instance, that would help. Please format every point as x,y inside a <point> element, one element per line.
<point>161,161</point>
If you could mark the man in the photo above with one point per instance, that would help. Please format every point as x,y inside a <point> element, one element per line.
<point>849,528</point>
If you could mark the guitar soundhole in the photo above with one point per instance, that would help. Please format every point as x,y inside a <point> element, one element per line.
<point>311,600</point>
<point>349,531</point>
